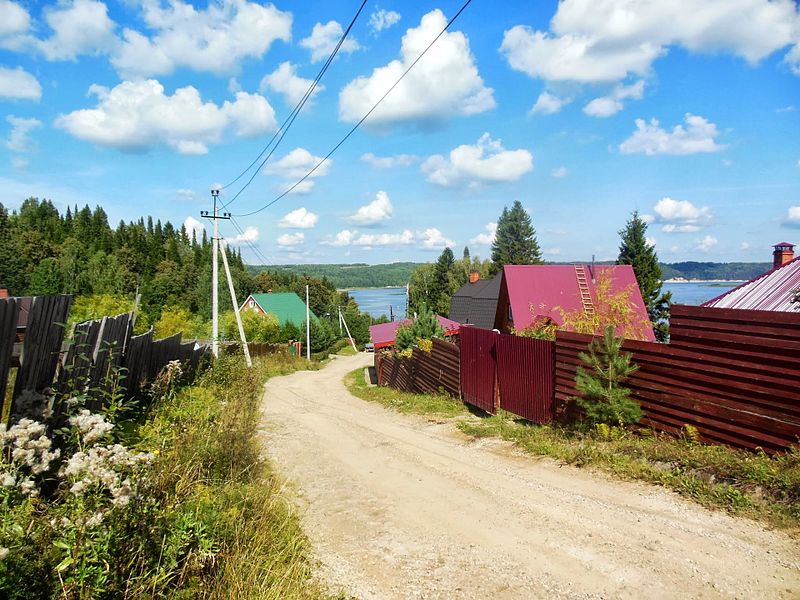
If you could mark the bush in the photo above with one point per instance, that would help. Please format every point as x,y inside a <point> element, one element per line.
<point>257,326</point>
<point>425,327</point>
<point>603,398</point>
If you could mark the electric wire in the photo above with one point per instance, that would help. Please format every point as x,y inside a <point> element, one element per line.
<point>284,128</point>
<point>364,118</point>
<point>255,249</point>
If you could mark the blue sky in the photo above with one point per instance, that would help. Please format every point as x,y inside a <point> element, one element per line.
<point>584,111</point>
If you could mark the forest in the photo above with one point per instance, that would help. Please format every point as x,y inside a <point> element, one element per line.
<point>45,252</point>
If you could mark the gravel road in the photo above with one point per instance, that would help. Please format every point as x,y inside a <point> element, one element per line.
<point>405,507</point>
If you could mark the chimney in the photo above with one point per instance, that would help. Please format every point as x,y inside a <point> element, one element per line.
<point>474,277</point>
<point>784,252</point>
<point>3,293</point>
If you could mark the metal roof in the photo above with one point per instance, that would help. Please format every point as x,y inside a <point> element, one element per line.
<point>286,306</point>
<point>383,334</point>
<point>772,290</point>
<point>537,291</point>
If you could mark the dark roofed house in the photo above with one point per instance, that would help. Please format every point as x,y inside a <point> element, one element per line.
<point>475,303</point>
<point>524,294</point>
<point>775,290</point>
<point>285,306</point>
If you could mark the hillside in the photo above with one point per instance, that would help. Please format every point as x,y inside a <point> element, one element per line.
<point>708,270</point>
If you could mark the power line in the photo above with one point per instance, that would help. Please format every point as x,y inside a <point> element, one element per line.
<point>255,249</point>
<point>364,118</point>
<point>284,128</point>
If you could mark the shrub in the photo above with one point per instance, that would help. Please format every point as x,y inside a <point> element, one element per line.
<point>425,327</point>
<point>603,398</point>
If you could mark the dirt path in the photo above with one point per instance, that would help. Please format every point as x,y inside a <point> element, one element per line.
<point>399,507</point>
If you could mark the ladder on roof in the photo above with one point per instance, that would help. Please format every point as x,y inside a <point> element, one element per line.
<point>583,286</point>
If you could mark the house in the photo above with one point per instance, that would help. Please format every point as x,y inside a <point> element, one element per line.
<point>383,334</point>
<point>476,302</point>
<point>527,294</point>
<point>775,290</point>
<point>284,306</point>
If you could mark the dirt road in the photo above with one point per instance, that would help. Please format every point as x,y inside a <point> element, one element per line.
<point>400,507</point>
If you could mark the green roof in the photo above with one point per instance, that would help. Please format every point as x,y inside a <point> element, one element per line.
<point>286,306</point>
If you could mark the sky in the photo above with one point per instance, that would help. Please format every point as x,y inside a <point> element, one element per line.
<point>584,111</point>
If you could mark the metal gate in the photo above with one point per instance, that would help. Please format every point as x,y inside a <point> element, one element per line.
<point>525,374</point>
<point>478,367</point>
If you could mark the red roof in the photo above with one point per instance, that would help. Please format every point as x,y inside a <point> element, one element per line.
<point>539,291</point>
<point>772,290</point>
<point>383,334</point>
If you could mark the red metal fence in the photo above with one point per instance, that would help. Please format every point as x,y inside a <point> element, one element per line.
<point>479,368</point>
<point>525,377</point>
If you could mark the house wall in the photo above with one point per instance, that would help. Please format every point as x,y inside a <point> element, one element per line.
<point>501,320</point>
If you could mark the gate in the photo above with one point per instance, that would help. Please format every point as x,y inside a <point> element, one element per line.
<point>525,373</point>
<point>478,367</point>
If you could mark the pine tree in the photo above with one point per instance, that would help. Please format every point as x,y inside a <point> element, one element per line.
<point>603,398</point>
<point>425,327</point>
<point>515,242</point>
<point>637,252</point>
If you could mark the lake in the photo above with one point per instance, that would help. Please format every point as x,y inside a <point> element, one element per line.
<point>376,301</point>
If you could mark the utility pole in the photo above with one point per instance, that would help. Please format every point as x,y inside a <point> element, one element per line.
<point>215,216</point>
<point>245,347</point>
<point>308,328</point>
<point>350,337</point>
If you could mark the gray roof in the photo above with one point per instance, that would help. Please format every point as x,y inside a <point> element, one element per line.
<point>476,303</point>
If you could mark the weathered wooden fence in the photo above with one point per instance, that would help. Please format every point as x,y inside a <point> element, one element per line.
<point>101,359</point>
<point>734,375</point>
<point>424,372</point>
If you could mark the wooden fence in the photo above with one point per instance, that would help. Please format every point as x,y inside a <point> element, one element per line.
<point>424,372</point>
<point>734,375</point>
<point>102,357</point>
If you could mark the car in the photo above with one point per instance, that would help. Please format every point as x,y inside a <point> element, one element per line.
<point>369,347</point>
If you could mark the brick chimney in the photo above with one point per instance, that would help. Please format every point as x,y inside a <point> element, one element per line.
<point>784,252</point>
<point>3,293</point>
<point>474,277</point>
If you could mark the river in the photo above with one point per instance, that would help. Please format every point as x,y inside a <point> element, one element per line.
<point>376,301</point>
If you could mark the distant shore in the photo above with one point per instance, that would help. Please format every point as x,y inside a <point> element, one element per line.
<point>682,280</point>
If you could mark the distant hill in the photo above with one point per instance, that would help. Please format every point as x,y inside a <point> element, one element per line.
<point>356,275</point>
<point>362,275</point>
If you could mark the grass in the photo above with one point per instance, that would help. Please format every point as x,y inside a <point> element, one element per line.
<point>756,485</point>
<point>441,405</point>
<point>233,530</point>
<point>347,351</point>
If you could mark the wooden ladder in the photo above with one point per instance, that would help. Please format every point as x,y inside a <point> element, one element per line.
<point>583,286</point>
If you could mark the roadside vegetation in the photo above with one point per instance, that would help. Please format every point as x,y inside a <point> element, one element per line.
<point>170,497</point>
<point>755,485</point>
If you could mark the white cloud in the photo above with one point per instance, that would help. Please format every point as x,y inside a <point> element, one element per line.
<point>792,59</point>
<point>250,234</point>
<point>192,225</point>
<point>650,241</point>
<point>554,251</point>
<point>135,116</point>
<point>792,217</point>
<point>344,238</point>
<point>214,40</point>
<point>608,40</point>
<point>19,163</point>
<point>433,239</point>
<point>14,24</point>
<point>559,172</point>
<point>486,238</point>
<point>745,245</point>
<point>382,19</point>
<point>699,135</point>
<point>485,162</point>
<point>707,243</point>
<point>648,218</point>
<point>387,162</point>
<point>19,84</point>
<point>547,104</point>
<point>605,106</point>
<point>186,194</point>
<point>323,40</point>
<point>285,81</point>
<point>300,218</point>
<point>288,240</point>
<point>376,212</point>
<point>79,27</point>
<point>682,215</point>
<point>296,165</point>
<point>445,83</point>
<point>18,139</point>
<point>385,239</point>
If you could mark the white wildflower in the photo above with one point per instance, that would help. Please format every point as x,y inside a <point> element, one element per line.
<point>3,553</point>
<point>91,427</point>
<point>30,446</point>
<point>95,519</point>
<point>8,480</point>
<point>28,487</point>
<point>65,522</point>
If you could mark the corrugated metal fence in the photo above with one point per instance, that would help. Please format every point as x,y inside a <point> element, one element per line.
<point>479,367</point>
<point>101,359</point>
<point>424,372</point>
<point>525,373</point>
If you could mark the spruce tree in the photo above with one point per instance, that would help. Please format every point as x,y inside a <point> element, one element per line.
<point>515,242</point>
<point>635,251</point>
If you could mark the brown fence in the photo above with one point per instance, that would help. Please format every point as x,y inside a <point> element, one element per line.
<point>734,375</point>
<point>525,377</point>
<point>101,359</point>
<point>424,372</point>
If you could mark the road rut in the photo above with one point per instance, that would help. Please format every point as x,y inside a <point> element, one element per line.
<point>406,507</point>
